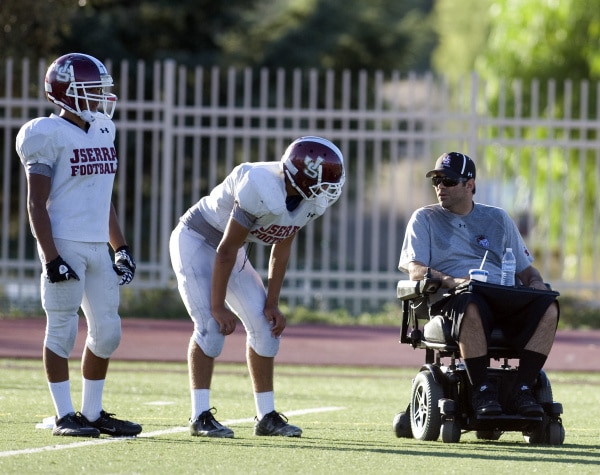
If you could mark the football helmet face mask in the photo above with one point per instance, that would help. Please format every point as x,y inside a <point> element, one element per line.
<point>315,167</point>
<point>77,82</point>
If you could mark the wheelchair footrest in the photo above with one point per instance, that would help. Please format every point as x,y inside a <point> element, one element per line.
<point>505,422</point>
<point>553,408</point>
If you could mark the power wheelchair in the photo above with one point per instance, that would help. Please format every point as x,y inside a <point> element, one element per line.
<point>440,401</point>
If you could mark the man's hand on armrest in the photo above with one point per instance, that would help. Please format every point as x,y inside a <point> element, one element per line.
<point>418,271</point>
<point>531,277</point>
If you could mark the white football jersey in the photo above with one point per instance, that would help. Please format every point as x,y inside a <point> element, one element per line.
<point>83,169</point>
<point>259,190</point>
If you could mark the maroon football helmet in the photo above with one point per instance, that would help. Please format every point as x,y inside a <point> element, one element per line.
<point>314,166</point>
<point>75,80</point>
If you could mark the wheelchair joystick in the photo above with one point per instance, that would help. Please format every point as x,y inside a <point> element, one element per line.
<point>430,284</point>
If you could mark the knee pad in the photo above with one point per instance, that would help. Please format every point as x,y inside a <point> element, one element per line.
<point>104,341</point>
<point>209,338</point>
<point>263,343</point>
<point>61,332</point>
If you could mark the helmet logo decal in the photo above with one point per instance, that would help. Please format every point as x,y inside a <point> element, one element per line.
<point>312,169</point>
<point>64,72</point>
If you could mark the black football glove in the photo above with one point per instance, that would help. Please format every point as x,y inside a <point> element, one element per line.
<point>57,270</point>
<point>124,264</point>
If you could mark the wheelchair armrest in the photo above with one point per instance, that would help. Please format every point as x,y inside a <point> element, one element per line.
<point>410,289</point>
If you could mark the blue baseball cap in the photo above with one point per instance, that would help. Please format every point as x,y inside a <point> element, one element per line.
<point>454,165</point>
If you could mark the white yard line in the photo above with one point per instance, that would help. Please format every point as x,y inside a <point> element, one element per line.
<point>173,430</point>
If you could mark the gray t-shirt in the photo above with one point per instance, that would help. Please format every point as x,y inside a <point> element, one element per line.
<point>453,244</point>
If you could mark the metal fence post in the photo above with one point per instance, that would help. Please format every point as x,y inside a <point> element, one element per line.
<point>168,161</point>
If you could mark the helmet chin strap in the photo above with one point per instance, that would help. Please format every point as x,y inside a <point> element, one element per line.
<point>296,187</point>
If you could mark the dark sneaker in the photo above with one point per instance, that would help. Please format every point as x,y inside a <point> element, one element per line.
<point>524,402</point>
<point>74,425</point>
<point>276,424</point>
<point>205,425</point>
<point>485,401</point>
<point>107,424</point>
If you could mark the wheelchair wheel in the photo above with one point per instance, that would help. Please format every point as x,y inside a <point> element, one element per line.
<point>552,433</point>
<point>425,420</point>
<point>556,433</point>
<point>450,432</point>
<point>401,424</point>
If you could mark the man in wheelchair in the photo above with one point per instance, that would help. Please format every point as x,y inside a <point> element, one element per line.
<point>444,241</point>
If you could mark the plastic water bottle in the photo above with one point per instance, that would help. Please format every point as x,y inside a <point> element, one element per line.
<point>509,267</point>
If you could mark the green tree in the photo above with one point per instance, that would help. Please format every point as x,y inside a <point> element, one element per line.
<point>188,31</point>
<point>338,34</point>
<point>32,32</point>
<point>540,54</point>
<point>463,29</point>
<point>543,39</point>
<point>518,39</point>
<point>335,34</point>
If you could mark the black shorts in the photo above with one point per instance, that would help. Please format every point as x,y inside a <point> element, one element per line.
<point>517,311</point>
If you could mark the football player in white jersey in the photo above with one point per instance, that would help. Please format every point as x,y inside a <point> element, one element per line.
<point>265,203</point>
<point>70,161</point>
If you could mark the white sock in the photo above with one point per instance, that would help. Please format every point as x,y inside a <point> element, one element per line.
<point>265,403</point>
<point>61,397</point>
<point>91,398</point>
<point>200,402</point>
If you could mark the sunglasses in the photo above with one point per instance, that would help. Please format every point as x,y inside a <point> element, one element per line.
<point>446,181</point>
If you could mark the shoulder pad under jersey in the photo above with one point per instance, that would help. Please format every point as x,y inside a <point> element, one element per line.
<point>36,140</point>
<point>260,190</point>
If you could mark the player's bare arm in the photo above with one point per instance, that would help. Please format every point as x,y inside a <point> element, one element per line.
<point>234,237</point>
<point>280,255</point>
<point>38,190</point>
<point>117,239</point>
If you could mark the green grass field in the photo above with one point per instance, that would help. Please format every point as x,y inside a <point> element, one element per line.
<point>346,415</point>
